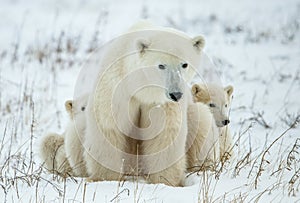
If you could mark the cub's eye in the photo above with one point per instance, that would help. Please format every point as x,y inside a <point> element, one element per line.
<point>212,105</point>
<point>160,66</point>
<point>226,105</point>
<point>82,108</point>
<point>185,65</point>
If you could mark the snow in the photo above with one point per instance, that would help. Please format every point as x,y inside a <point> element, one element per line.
<point>255,46</point>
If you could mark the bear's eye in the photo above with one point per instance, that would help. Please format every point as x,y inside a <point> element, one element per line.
<point>212,105</point>
<point>185,65</point>
<point>82,108</point>
<point>226,105</point>
<point>160,66</point>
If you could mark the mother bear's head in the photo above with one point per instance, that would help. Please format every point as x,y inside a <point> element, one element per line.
<point>166,63</point>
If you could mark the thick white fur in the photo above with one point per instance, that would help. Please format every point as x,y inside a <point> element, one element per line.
<point>74,135</point>
<point>109,152</point>
<point>63,154</point>
<point>203,139</point>
<point>53,155</point>
<point>226,143</point>
<point>221,98</point>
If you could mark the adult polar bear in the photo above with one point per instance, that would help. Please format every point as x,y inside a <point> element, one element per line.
<point>137,113</point>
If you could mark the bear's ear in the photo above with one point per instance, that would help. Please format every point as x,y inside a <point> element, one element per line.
<point>195,89</point>
<point>200,94</point>
<point>69,106</point>
<point>228,90</point>
<point>142,45</point>
<point>198,43</point>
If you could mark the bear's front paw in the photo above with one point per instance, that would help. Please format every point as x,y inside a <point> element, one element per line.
<point>92,180</point>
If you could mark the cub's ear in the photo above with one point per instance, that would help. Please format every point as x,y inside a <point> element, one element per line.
<point>142,45</point>
<point>195,89</point>
<point>200,94</point>
<point>198,43</point>
<point>228,90</point>
<point>69,106</point>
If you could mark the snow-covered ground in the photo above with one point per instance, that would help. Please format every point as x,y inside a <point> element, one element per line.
<point>254,44</point>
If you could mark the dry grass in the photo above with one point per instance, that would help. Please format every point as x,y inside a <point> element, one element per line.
<point>36,89</point>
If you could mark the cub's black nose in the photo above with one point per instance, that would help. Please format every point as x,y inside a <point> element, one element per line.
<point>175,96</point>
<point>225,122</point>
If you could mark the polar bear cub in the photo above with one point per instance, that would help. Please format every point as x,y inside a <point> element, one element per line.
<point>218,99</point>
<point>74,135</point>
<point>63,154</point>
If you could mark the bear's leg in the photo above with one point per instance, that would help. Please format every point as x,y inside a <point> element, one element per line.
<point>209,150</point>
<point>74,150</point>
<point>164,159</point>
<point>98,172</point>
<point>226,144</point>
<point>173,175</point>
<point>102,152</point>
<point>54,156</point>
<point>203,139</point>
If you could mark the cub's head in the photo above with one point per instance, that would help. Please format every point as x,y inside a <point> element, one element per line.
<point>76,108</point>
<point>172,67</point>
<point>217,98</point>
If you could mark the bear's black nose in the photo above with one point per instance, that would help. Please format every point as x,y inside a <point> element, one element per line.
<point>175,96</point>
<point>225,122</point>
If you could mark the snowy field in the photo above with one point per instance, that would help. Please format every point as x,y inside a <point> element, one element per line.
<point>255,46</point>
